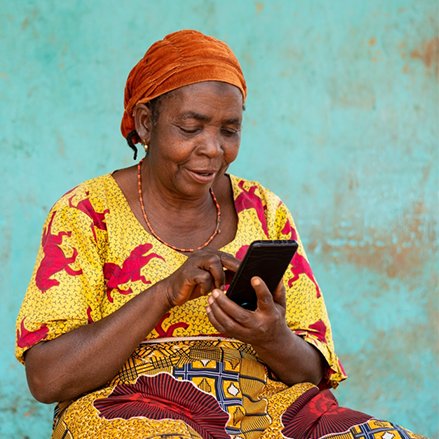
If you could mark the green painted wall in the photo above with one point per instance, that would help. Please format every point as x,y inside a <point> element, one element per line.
<point>342,121</point>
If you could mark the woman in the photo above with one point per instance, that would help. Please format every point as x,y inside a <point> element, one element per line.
<point>125,322</point>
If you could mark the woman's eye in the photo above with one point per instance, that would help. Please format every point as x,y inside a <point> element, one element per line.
<point>189,130</point>
<point>229,132</point>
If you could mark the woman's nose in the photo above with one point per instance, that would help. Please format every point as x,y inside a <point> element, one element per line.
<point>211,145</point>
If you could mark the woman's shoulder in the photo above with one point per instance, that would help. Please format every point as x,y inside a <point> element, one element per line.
<point>89,205</point>
<point>95,191</point>
<point>252,191</point>
<point>257,204</point>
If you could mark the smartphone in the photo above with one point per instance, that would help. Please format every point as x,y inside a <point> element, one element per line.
<point>267,259</point>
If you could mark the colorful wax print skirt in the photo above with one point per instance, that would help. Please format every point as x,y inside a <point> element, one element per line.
<point>210,388</point>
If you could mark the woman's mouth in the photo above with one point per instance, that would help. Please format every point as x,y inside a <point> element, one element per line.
<point>202,175</point>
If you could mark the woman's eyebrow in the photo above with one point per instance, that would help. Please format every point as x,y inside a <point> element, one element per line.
<point>194,115</point>
<point>233,121</point>
<point>203,118</point>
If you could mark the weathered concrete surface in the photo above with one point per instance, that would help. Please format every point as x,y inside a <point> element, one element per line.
<point>342,121</point>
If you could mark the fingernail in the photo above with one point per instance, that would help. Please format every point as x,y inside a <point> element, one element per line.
<point>210,300</point>
<point>216,293</point>
<point>256,281</point>
<point>208,309</point>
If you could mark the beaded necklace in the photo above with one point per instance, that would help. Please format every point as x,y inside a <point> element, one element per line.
<point>154,233</point>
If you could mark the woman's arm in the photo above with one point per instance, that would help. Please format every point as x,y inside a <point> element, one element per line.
<point>88,357</point>
<point>91,355</point>
<point>292,359</point>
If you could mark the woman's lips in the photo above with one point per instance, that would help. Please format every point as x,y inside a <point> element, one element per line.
<point>202,175</point>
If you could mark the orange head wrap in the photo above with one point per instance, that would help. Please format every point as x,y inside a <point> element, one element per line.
<point>181,58</point>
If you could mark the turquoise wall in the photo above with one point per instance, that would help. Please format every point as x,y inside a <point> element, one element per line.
<point>342,122</point>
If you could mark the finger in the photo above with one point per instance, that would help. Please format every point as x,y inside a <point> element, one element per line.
<point>228,313</point>
<point>229,261</point>
<point>265,298</point>
<point>191,289</point>
<point>214,266</point>
<point>222,320</point>
<point>203,282</point>
<point>214,321</point>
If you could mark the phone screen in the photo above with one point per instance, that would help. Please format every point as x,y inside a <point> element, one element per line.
<point>267,259</point>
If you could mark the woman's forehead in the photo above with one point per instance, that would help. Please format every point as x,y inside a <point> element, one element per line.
<point>193,97</point>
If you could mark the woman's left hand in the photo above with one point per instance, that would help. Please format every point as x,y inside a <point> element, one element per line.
<point>258,328</point>
<point>289,356</point>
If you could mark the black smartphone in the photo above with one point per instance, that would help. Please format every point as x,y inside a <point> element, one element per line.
<point>267,259</point>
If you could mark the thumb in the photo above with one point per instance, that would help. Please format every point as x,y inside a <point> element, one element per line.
<point>265,298</point>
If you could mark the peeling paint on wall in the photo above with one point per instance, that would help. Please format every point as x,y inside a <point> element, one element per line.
<point>429,55</point>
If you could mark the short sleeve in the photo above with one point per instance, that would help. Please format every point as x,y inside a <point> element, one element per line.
<point>67,284</point>
<point>306,311</point>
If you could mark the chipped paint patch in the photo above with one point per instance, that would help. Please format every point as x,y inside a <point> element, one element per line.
<point>429,55</point>
<point>259,7</point>
<point>394,251</point>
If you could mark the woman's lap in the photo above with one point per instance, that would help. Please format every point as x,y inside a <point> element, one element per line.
<point>211,389</point>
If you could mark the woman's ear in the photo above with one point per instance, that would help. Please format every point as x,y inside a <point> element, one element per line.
<point>143,122</point>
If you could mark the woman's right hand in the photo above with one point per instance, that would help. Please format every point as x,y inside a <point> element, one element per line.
<point>199,275</point>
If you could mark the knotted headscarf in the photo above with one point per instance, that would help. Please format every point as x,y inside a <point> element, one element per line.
<point>181,58</point>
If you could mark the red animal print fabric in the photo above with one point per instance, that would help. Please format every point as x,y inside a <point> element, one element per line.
<point>129,271</point>
<point>97,218</point>
<point>170,329</point>
<point>26,339</point>
<point>249,199</point>
<point>54,259</point>
<point>299,264</point>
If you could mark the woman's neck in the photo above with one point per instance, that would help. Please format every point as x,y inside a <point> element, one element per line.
<point>161,196</point>
<point>178,219</point>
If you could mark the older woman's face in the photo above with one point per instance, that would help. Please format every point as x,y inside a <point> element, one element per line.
<point>196,136</point>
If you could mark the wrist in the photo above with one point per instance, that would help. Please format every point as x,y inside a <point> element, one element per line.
<point>161,293</point>
<point>168,294</point>
<point>277,341</point>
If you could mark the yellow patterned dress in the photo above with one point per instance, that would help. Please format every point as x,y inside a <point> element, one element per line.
<point>184,380</point>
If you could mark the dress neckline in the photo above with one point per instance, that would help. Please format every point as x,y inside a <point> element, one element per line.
<point>228,248</point>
